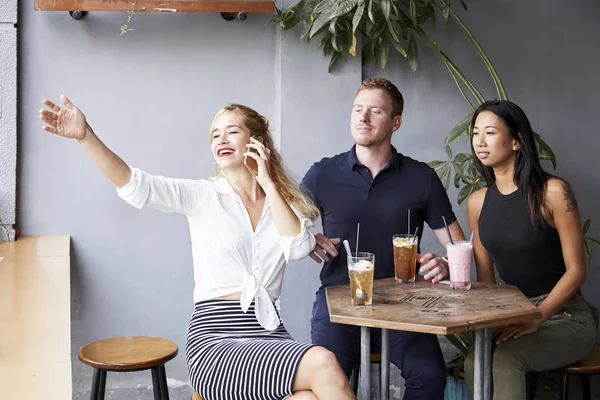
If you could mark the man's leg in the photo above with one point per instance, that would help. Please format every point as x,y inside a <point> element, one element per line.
<point>342,340</point>
<point>421,363</point>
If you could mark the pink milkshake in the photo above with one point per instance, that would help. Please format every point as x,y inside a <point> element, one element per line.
<point>459,260</point>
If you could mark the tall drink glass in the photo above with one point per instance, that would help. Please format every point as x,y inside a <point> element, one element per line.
<point>405,257</point>
<point>460,255</point>
<point>361,268</point>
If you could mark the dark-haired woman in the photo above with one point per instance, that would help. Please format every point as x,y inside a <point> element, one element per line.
<point>528,226</point>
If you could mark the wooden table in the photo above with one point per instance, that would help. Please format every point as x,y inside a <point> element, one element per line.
<point>431,308</point>
<point>35,318</point>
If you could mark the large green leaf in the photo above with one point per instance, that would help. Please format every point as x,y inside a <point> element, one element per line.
<point>334,59</point>
<point>326,11</point>
<point>345,7</point>
<point>545,152</point>
<point>393,33</point>
<point>413,53</point>
<point>425,13</point>
<point>464,193</point>
<point>459,129</point>
<point>586,226</point>
<point>442,168</point>
<point>413,12</point>
<point>370,10</point>
<point>588,251</point>
<point>463,158</point>
<point>461,164</point>
<point>457,179</point>
<point>306,25</point>
<point>334,43</point>
<point>383,52</point>
<point>399,48</point>
<point>324,5</point>
<point>386,6</point>
<point>333,26</point>
<point>360,11</point>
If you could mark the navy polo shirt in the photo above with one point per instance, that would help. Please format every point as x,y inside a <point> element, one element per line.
<point>347,194</point>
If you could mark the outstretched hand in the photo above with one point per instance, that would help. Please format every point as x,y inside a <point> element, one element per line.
<point>68,122</point>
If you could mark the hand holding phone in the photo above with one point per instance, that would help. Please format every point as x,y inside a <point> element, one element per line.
<point>251,163</point>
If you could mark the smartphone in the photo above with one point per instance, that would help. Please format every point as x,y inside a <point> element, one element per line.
<point>251,163</point>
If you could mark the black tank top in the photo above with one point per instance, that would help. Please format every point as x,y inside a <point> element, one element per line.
<point>524,256</point>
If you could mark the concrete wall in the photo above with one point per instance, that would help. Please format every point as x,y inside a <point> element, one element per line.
<point>151,95</point>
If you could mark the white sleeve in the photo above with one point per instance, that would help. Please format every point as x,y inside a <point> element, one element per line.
<point>299,246</point>
<point>165,194</point>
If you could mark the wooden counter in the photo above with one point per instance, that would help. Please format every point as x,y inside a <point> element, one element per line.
<point>35,318</point>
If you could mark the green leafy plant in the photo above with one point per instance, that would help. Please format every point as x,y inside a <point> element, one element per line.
<point>396,24</point>
<point>125,28</point>
<point>588,241</point>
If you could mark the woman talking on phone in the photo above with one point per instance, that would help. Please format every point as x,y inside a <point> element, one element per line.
<point>527,226</point>
<point>245,224</point>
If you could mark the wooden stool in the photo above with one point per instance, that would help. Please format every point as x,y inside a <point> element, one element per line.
<point>196,396</point>
<point>585,368</point>
<point>128,354</point>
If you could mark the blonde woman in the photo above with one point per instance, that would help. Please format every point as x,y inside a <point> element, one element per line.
<point>245,224</point>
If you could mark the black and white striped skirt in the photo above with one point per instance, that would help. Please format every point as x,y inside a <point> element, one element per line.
<point>231,357</point>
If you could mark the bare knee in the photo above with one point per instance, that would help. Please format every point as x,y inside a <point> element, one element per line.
<point>323,359</point>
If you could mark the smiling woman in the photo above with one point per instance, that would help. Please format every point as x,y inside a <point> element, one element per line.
<point>244,229</point>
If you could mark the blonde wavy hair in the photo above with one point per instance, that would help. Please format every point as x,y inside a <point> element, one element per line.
<point>259,128</point>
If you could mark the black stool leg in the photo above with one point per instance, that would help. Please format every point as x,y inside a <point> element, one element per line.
<point>98,384</point>
<point>585,387</point>
<point>564,386</point>
<point>164,389</point>
<point>102,384</point>
<point>95,385</point>
<point>156,383</point>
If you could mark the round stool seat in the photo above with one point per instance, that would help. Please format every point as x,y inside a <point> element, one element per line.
<point>128,353</point>
<point>589,365</point>
<point>196,396</point>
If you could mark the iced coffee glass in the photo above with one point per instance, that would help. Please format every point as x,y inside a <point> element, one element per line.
<point>405,257</point>
<point>459,261</point>
<point>361,268</point>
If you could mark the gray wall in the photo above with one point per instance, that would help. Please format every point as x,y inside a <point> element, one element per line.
<point>151,95</point>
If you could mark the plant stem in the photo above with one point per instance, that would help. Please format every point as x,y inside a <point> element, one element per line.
<point>469,36</point>
<point>451,65</point>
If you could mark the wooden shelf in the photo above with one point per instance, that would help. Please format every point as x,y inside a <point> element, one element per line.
<point>249,6</point>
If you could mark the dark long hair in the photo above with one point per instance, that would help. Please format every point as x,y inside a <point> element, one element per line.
<point>529,175</point>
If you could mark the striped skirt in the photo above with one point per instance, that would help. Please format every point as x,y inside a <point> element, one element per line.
<point>231,357</point>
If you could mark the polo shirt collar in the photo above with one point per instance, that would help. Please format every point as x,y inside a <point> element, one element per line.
<point>353,161</point>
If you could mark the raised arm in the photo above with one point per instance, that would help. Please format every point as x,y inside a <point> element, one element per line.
<point>70,122</point>
<point>483,260</point>
<point>136,187</point>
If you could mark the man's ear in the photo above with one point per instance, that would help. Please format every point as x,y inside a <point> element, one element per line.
<point>397,122</point>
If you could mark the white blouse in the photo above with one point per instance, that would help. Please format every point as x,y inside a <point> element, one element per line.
<point>229,257</point>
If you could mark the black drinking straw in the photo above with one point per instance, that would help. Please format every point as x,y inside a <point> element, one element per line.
<point>447,230</point>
